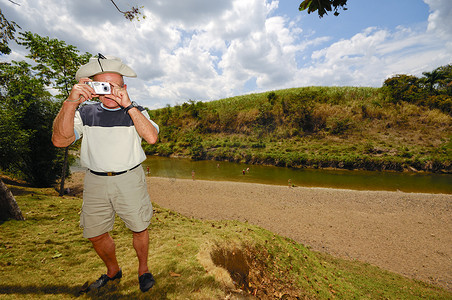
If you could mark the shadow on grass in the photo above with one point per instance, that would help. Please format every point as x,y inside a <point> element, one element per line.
<point>17,191</point>
<point>11,181</point>
<point>110,291</point>
<point>16,187</point>
<point>6,289</point>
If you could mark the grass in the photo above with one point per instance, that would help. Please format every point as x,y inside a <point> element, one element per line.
<point>46,257</point>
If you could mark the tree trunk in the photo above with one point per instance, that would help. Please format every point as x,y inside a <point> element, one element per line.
<point>63,171</point>
<point>8,205</point>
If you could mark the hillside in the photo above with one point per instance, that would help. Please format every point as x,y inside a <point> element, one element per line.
<point>311,127</point>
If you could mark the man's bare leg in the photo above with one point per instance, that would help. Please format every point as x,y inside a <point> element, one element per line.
<point>141,245</point>
<point>105,248</point>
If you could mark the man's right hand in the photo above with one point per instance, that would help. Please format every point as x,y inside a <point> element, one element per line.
<point>81,92</point>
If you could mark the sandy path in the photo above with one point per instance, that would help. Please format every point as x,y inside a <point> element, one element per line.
<point>407,233</point>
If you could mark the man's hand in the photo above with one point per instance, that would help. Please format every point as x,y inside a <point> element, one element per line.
<point>119,94</point>
<point>81,92</point>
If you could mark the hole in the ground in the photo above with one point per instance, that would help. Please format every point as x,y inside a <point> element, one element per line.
<point>235,262</point>
<point>248,272</point>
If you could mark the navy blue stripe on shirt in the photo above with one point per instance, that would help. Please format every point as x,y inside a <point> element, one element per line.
<point>95,115</point>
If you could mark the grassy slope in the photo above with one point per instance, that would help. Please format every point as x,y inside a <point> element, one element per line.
<point>46,257</point>
<point>340,127</point>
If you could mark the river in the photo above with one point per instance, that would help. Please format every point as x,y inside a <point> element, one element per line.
<point>174,168</point>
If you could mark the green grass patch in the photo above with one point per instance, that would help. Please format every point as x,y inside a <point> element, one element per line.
<point>45,256</point>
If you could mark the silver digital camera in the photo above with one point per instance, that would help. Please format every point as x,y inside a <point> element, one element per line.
<point>101,88</point>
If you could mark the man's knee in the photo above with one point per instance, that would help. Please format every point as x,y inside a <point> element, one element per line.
<point>99,238</point>
<point>140,233</point>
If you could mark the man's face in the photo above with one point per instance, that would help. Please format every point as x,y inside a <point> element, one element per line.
<point>113,77</point>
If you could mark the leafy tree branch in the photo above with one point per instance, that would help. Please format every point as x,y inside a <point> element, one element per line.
<point>323,6</point>
<point>129,14</point>
<point>7,32</point>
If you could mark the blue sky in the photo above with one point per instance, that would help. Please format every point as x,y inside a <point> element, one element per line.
<point>207,50</point>
<point>362,14</point>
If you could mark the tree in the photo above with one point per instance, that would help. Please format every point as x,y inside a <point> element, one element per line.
<point>440,79</point>
<point>432,78</point>
<point>8,30</point>
<point>26,115</point>
<point>23,147</point>
<point>403,88</point>
<point>57,64</point>
<point>322,6</point>
<point>11,142</point>
<point>434,90</point>
<point>8,205</point>
<point>445,85</point>
<point>17,142</point>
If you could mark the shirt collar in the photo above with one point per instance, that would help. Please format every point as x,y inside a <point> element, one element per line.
<point>109,109</point>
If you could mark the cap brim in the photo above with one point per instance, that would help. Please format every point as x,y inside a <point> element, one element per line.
<point>109,65</point>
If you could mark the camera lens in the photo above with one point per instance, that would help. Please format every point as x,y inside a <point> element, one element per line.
<point>106,88</point>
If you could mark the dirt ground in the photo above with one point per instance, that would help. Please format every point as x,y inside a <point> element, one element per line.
<point>407,233</point>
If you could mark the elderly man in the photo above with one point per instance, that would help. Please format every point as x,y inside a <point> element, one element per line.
<point>111,133</point>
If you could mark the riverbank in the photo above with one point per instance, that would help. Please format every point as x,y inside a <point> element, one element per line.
<point>350,128</point>
<point>406,233</point>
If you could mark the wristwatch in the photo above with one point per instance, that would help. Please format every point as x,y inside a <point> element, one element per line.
<point>134,104</point>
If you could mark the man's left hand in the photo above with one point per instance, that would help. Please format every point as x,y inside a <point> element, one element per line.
<point>119,94</point>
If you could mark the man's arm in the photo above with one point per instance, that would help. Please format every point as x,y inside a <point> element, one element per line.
<point>63,126</point>
<point>143,126</point>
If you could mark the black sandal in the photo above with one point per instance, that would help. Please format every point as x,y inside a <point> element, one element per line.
<point>146,281</point>
<point>104,279</point>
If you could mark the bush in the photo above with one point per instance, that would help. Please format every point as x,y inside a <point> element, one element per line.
<point>340,126</point>
<point>404,88</point>
<point>271,97</point>
<point>442,102</point>
<point>164,149</point>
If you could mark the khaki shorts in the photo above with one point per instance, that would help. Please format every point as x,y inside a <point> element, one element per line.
<point>125,195</point>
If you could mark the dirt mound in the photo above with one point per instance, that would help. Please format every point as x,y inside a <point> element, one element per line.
<point>245,273</point>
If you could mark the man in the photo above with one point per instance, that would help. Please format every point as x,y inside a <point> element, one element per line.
<point>111,133</point>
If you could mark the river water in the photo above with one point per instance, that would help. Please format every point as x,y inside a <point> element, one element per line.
<point>175,168</point>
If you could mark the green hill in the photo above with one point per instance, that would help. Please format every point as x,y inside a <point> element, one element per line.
<point>45,257</point>
<point>313,127</point>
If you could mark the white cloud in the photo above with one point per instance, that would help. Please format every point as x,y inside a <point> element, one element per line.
<point>190,14</point>
<point>440,18</point>
<point>373,55</point>
<point>205,50</point>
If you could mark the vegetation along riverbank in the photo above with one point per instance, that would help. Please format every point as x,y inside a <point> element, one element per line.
<point>395,127</point>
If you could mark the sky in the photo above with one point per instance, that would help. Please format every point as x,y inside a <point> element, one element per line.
<point>205,50</point>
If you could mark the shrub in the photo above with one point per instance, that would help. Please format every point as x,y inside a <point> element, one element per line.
<point>403,88</point>
<point>341,125</point>
<point>164,149</point>
<point>271,97</point>
<point>442,102</point>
